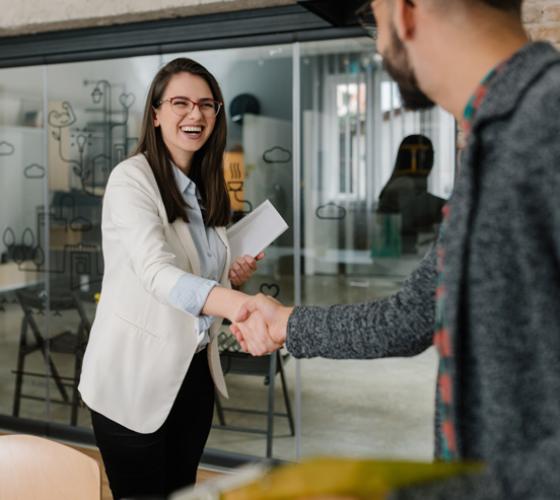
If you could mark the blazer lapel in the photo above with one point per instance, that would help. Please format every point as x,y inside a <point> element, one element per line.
<point>184,234</point>
<point>180,227</point>
<point>221,231</point>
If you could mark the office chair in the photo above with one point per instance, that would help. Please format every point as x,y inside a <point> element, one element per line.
<point>33,301</point>
<point>235,361</point>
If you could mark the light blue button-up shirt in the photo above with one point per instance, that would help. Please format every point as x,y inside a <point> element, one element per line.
<point>191,291</point>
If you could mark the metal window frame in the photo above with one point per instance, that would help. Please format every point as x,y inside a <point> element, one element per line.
<point>248,28</point>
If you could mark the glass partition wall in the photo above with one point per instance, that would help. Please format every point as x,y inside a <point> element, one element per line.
<point>23,173</point>
<point>316,128</point>
<point>374,180</point>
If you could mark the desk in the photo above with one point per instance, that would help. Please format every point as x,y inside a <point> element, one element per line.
<point>13,278</point>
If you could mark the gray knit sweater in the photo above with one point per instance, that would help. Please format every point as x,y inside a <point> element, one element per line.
<point>503,280</point>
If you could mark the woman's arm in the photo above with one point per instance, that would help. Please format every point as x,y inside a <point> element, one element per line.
<point>224,302</point>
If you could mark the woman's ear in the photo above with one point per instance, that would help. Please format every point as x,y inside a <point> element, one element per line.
<point>155,117</point>
<point>405,18</point>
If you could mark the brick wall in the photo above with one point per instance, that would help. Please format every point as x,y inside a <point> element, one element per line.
<point>542,20</point>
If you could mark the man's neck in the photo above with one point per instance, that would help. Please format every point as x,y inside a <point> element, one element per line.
<point>471,60</point>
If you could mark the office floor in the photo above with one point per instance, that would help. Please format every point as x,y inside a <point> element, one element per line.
<point>382,408</point>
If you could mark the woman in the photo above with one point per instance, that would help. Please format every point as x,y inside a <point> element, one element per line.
<point>152,363</point>
<point>406,193</point>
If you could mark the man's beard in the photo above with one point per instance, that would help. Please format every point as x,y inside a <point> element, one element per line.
<point>397,64</point>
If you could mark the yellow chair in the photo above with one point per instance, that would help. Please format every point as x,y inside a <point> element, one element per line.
<point>34,468</point>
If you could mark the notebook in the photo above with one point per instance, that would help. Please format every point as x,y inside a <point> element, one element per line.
<point>258,229</point>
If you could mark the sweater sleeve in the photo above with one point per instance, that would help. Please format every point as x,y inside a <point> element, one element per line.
<point>400,325</point>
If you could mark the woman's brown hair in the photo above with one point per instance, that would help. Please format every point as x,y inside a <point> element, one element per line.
<point>206,171</point>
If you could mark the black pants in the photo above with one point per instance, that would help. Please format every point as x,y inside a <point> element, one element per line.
<point>155,465</point>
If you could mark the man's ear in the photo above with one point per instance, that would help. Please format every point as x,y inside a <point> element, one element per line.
<point>405,18</point>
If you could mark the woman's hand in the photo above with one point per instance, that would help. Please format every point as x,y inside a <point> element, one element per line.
<point>243,268</point>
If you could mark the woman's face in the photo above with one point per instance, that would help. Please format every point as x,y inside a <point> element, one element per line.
<point>184,130</point>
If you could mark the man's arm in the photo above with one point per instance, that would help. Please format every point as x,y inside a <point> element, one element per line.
<point>400,325</point>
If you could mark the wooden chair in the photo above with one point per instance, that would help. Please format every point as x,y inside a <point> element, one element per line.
<point>34,468</point>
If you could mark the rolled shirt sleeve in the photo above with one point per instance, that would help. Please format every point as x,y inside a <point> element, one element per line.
<point>190,294</point>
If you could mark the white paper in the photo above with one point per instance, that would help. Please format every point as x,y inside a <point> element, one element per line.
<point>258,229</point>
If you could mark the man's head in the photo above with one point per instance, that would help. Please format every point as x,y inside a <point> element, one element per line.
<point>414,35</point>
<point>397,64</point>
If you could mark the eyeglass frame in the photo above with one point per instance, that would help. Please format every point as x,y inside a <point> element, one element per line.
<point>366,19</point>
<point>194,103</point>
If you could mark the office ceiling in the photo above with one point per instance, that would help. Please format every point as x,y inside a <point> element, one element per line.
<point>338,13</point>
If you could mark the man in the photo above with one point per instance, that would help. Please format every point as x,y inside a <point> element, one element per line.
<point>496,286</point>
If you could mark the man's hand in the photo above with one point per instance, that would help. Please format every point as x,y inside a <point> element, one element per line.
<point>267,331</point>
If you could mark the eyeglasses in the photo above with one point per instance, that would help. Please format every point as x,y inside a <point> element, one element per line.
<point>182,106</point>
<point>367,19</point>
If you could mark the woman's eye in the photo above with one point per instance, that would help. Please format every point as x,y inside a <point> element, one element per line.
<point>180,104</point>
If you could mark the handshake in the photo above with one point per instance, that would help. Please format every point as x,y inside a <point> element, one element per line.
<point>260,325</point>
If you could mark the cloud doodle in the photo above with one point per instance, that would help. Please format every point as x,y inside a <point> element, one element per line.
<point>330,211</point>
<point>277,154</point>
<point>6,149</point>
<point>34,171</point>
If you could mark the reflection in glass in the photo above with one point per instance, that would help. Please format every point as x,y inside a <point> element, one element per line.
<point>405,198</point>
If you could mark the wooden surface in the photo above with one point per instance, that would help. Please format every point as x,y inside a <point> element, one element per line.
<point>32,467</point>
<point>203,475</point>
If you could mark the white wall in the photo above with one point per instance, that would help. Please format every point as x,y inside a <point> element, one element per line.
<point>26,16</point>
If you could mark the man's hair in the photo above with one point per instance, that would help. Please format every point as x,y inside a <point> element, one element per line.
<point>513,6</point>
<point>509,5</point>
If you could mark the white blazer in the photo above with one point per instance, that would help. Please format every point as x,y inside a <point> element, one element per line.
<point>140,346</point>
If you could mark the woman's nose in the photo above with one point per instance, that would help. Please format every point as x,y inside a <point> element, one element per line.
<point>195,112</point>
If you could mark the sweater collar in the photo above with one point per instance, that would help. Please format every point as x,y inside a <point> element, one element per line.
<point>515,77</point>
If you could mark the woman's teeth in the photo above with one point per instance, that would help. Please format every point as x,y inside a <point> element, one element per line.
<point>192,130</point>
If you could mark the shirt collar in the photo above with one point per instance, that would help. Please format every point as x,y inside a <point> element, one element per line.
<point>478,97</point>
<point>184,184</point>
